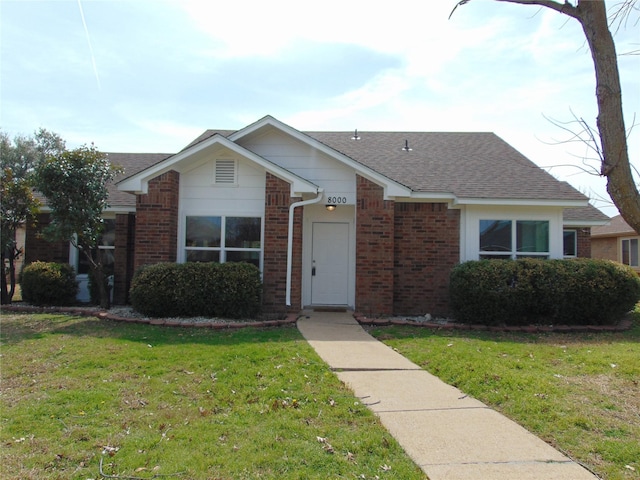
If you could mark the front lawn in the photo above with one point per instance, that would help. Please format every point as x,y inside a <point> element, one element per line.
<point>188,403</point>
<point>579,392</point>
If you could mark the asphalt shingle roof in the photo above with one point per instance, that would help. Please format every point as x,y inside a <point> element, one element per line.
<point>616,228</point>
<point>468,165</point>
<point>132,163</point>
<point>477,165</point>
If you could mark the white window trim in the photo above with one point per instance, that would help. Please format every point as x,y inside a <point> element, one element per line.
<point>620,246</point>
<point>182,253</point>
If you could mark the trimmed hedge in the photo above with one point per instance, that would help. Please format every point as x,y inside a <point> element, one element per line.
<point>229,290</point>
<point>48,283</point>
<point>530,291</point>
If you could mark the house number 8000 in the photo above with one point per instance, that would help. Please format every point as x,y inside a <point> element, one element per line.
<point>337,200</point>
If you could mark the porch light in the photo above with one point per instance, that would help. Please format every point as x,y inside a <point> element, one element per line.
<point>331,207</point>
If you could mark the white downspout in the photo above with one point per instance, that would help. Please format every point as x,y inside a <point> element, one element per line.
<point>292,207</point>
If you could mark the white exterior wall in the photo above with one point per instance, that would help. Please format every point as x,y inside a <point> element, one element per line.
<point>199,195</point>
<point>472,214</point>
<point>338,181</point>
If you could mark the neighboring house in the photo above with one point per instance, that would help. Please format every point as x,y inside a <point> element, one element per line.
<point>616,241</point>
<point>373,221</point>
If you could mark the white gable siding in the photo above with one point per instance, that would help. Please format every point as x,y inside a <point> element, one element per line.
<point>200,195</point>
<point>287,152</point>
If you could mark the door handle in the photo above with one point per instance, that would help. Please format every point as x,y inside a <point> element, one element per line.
<point>313,271</point>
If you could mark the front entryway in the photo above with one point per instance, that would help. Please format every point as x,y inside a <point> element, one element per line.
<point>330,264</point>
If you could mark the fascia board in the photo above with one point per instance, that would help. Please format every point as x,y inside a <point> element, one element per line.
<point>585,223</point>
<point>521,202</point>
<point>391,187</point>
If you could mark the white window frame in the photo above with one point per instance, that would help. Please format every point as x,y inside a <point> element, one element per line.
<point>637,257</point>
<point>514,253</point>
<point>223,249</point>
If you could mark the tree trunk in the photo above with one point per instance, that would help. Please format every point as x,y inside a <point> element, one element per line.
<point>5,299</point>
<point>615,166</point>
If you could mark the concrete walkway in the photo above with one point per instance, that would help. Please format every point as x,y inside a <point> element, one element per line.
<point>448,434</point>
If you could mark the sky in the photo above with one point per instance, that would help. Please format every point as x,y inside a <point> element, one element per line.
<point>152,75</point>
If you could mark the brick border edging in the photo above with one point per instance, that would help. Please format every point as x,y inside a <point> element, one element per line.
<point>625,324</point>
<point>290,319</point>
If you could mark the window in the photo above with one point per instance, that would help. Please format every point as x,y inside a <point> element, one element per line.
<point>570,243</point>
<point>499,237</point>
<point>223,239</point>
<point>106,249</point>
<point>630,252</point>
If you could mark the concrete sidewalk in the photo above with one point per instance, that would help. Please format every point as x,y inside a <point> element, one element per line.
<point>448,434</point>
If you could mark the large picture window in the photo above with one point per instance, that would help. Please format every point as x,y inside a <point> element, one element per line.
<point>514,238</point>
<point>223,239</point>
<point>630,252</point>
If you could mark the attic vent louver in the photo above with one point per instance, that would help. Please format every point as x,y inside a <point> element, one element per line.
<point>225,172</point>
<point>356,136</point>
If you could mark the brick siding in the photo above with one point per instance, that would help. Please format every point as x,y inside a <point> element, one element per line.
<point>605,247</point>
<point>156,226</point>
<point>124,252</point>
<point>426,248</point>
<point>276,228</point>
<point>39,249</point>
<point>374,249</point>
<point>584,242</point>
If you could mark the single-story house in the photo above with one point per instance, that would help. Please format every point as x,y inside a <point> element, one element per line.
<point>616,241</point>
<point>372,221</point>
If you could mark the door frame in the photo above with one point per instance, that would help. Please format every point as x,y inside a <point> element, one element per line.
<point>319,214</point>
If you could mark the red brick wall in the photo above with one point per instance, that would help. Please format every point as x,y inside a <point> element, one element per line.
<point>584,242</point>
<point>276,226</point>
<point>124,252</point>
<point>374,249</point>
<point>427,247</point>
<point>156,230</point>
<point>39,249</point>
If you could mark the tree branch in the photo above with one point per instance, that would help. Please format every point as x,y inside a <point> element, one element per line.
<point>565,8</point>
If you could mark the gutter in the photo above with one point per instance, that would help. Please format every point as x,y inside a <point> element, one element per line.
<point>292,207</point>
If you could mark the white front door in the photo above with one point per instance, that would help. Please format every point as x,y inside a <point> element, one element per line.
<point>330,264</point>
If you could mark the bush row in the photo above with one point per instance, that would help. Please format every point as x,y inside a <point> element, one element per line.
<point>230,290</point>
<point>48,283</point>
<point>529,291</point>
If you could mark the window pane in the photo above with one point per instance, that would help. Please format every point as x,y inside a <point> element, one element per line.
<point>242,232</point>
<point>633,252</point>
<point>203,232</point>
<point>625,252</point>
<point>108,237</point>
<point>249,257</point>
<point>203,256</point>
<point>532,236</point>
<point>569,237</point>
<point>495,235</point>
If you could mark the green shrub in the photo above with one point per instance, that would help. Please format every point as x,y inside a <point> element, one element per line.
<point>526,291</point>
<point>44,283</point>
<point>230,290</point>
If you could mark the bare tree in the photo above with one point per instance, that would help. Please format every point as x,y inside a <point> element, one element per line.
<point>615,164</point>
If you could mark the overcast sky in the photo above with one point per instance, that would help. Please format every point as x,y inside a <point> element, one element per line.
<point>151,75</point>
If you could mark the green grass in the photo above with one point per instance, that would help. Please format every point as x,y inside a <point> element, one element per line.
<point>579,392</point>
<point>188,403</point>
